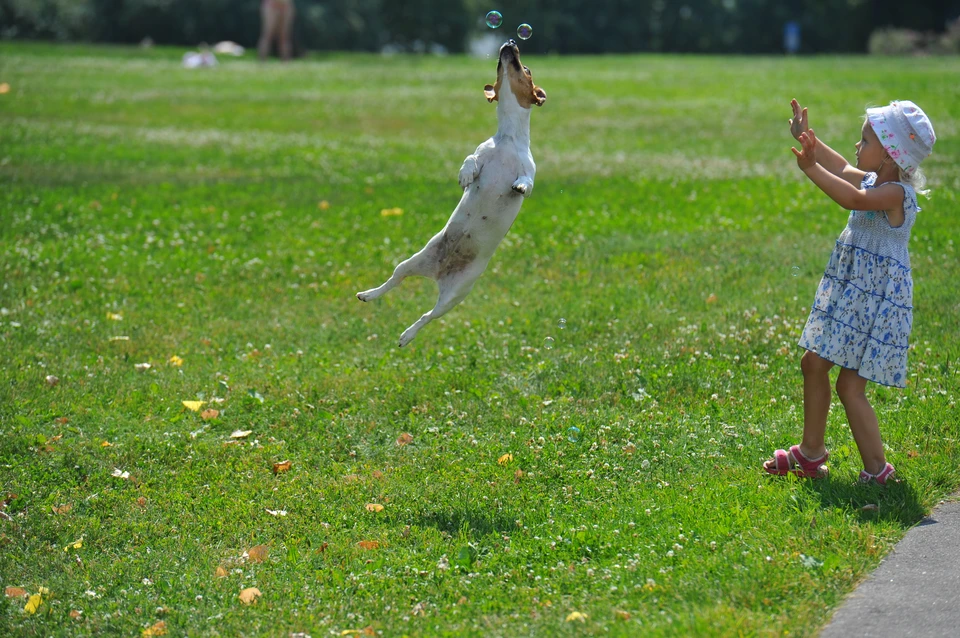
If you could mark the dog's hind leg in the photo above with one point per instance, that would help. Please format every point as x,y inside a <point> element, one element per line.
<point>412,266</point>
<point>449,297</point>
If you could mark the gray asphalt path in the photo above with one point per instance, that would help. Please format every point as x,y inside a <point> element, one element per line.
<point>915,591</point>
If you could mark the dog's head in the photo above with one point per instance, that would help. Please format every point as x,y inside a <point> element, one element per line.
<point>518,78</point>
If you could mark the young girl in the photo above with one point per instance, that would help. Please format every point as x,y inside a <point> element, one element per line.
<point>862,314</point>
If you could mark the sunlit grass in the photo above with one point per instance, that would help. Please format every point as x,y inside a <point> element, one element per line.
<point>227,218</point>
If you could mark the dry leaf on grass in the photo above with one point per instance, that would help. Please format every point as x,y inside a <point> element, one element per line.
<point>374,507</point>
<point>377,474</point>
<point>16,592</point>
<point>176,361</point>
<point>240,434</point>
<point>258,554</point>
<point>52,380</point>
<point>250,595</point>
<point>506,458</point>
<point>351,478</point>
<point>158,629</point>
<point>193,406</point>
<point>576,615</point>
<point>517,476</point>
<point>106,444</point>
<point>404,439</point>
<point>33,604</point>
<point>62,509</point>
<point>77,544</point>
<point>712,298</point>
<point>276,512</point>
<point>209,413</point>
<point>369,544</point>
<point>141,502</point>
<point>221,572</point>
<point>76,614</point>
<point>282,466</point>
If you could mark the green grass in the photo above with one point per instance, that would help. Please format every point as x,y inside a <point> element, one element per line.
<point>182,210</point>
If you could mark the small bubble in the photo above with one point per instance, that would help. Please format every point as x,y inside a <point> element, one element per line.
<point>562,323</point>
<point>494,19</point>
<point>573,434</point>
<point>548,343</point>
<point>796,271</point>
<point>524,31</point>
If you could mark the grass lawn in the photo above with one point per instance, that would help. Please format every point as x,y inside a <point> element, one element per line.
<point>573,450</point>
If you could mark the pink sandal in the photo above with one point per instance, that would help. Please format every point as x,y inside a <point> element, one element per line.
<point>886,474</point>
<point>784,462</point>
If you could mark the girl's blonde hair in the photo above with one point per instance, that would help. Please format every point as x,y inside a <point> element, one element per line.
<point>917,180</point>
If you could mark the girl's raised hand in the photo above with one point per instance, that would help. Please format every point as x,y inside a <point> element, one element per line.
<point>807,156</point>
<point>798,124</point>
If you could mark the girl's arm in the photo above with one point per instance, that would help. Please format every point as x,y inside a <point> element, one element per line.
<point>887,198</point>
<point>828,158</point>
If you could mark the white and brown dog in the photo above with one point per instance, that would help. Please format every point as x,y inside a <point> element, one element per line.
<point>495,179</point>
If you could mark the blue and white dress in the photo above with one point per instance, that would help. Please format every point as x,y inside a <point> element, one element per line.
<point>863,312</point>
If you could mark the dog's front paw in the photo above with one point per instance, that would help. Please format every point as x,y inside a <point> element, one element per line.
<point>523,186</point>
<point>468,172</point>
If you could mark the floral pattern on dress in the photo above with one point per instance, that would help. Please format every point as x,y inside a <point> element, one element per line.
<point>862,314</point>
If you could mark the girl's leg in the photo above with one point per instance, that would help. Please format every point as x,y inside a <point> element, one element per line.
<point>286,32</point>
<point>268,22</point>
<point>863,420</point>
<point>816,403</point>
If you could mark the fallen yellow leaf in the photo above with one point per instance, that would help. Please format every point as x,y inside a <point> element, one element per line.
<point>391,212</point>
<point>193,406</point>
<point>258,554</point>
<point>209,413</point>
<point>240,434</point>
<point>250,595</point>
<point>576,615</point>
<point>33,604</point>
<point>506,458</point>
<point>16,592</point>
<point>158,629</point>
<point>282,466</point>
<point>369,544</point>
<point>323,205</point>
<point>221,572</point>
<point>113,316</point>
<point>175,360</point>
<point>77,544</point>
<point>374,507</point>
<point>106,444</point>
<point>4,88</point>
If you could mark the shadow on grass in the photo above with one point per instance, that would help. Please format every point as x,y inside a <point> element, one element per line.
<point>897,502</point>
<point>477,524</point>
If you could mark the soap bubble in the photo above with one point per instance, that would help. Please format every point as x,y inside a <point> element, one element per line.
<point>494,19</point>
<point>573,434</point>
<point>562,323</point>
<point>796,271</point>
<point>524,31</point>
<point>548,343</point>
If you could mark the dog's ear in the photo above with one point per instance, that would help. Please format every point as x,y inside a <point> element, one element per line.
<point>490,93</point>
<point>540,95</point>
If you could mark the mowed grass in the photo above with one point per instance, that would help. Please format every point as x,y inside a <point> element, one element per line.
<point>216,224</point>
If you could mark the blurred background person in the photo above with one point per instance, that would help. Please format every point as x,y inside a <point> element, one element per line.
<point>276,25</point>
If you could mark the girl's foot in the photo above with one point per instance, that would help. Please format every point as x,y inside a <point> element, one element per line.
<point>794,462</point>
<point>888,473</point>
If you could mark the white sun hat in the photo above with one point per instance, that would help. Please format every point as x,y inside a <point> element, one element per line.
<point>905,132</point>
